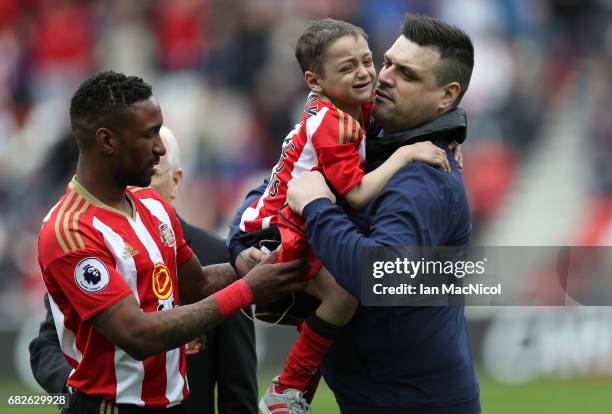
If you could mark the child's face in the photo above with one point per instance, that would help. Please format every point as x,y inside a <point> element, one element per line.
<point>348,73</point>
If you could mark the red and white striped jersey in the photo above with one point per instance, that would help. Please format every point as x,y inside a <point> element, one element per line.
<point>91,257</point>
<point>327,140</point>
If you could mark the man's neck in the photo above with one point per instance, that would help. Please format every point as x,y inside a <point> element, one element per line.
<point>452,125</point>
<point>102,187</point>
<point>400,128</point>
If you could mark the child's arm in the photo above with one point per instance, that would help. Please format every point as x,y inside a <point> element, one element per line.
<point>372,183</point>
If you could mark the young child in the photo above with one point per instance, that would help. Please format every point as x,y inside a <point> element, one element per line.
<point>337,65</point>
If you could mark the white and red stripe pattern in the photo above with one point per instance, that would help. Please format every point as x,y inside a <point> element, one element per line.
<point>326,139</point>
<point>139,261</point>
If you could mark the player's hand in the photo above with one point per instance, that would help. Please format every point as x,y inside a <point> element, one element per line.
<point>248,259</point>
<point>455,147</point>
<point>429,153</point>
<point>269,281</point>
<point>307,187</point>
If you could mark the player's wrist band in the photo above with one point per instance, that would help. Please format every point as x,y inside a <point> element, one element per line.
<point>235,296</point>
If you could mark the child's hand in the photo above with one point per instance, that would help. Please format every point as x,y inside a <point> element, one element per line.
<point>457,153</point>
<point>429,153</point>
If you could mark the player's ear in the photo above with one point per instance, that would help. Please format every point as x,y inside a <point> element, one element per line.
<point>106,140</point>
<point>312,80</point>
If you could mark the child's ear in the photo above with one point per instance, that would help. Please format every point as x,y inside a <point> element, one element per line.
<point>312,80</point>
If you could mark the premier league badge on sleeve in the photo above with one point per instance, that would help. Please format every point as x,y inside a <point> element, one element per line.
<point>167,235</point>
<point>91,275</point>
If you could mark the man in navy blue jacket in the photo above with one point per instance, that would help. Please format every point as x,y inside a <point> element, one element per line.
<point>400,359</point>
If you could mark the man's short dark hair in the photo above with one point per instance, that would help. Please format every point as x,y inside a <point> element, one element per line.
<point>102,97</point>
<point>455,47</point>
<point>319,34</point>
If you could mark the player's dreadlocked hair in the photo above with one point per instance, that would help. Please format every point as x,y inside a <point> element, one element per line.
<point>317,37</point>
<point>101,97</point>
<point>455,47</point>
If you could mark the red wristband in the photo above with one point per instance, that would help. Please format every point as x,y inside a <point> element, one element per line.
<point>233,297</point>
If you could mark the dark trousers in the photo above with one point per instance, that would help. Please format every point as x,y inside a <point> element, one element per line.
<point>80,403</point>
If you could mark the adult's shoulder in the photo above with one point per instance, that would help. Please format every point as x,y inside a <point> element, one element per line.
<point>422,205</point>
<point>420,183</point>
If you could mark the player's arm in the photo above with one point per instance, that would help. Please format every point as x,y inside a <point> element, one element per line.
<point>196,282</point>
<point>372,183</point>
<point>143,334</point>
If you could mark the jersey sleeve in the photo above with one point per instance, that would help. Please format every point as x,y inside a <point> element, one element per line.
<point>336,142</point>
<point>88,279</point>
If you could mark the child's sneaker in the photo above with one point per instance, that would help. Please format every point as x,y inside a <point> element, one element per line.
<point>289,401</point>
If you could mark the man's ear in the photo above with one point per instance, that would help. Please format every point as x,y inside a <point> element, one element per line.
<point>450,93</point>
<point>312,80</point>
<point>106,140</point>
<point>177,179</point>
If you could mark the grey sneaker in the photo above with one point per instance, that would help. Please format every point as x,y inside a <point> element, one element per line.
<point>289,401</point>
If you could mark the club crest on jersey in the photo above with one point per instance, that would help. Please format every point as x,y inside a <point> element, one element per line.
<point>128,251</point>
<point>167,235</point>
<point>91,275</point>
<point>162,282</point>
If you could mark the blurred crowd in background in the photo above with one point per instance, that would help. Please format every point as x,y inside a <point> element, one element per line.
<point>226,78</point>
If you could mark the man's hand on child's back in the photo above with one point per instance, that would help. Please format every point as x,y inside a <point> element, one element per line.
<point>307,187</point>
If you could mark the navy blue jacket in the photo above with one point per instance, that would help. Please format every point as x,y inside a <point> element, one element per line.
<point>399,359</point>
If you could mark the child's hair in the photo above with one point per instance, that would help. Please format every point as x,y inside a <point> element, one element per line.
<point>317,37</point>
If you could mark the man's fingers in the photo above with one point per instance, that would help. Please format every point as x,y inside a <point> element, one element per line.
<point>292,269</point>
<point>297,285</point>
<point>295,266</point>
<point>269,259</point>
<point>255,254</point>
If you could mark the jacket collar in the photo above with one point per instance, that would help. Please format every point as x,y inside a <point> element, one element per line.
<point>449,126</point>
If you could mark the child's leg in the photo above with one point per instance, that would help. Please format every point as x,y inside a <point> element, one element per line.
<point>318,331</point>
